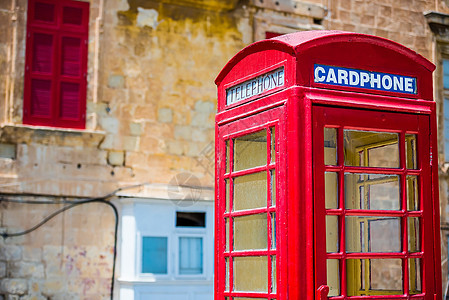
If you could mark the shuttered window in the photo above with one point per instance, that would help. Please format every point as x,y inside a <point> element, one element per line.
<point>56,63</point>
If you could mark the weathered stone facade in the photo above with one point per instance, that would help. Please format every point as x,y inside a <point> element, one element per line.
<point>151,100</point>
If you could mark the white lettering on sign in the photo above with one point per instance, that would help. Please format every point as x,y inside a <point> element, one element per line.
<point>255,86</point>
<point>364,79</point>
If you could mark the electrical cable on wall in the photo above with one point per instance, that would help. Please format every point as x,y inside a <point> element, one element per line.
<point>71,204</point>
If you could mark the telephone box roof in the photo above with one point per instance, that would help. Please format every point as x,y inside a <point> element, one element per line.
<point>295,43</point>
<point>300,54</point>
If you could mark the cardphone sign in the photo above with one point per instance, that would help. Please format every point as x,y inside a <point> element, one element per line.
<point>364,79</point>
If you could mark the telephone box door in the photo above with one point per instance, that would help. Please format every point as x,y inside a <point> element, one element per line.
<point>374,226</point>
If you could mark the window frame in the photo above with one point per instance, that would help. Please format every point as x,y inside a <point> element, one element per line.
<point>178,257</point>
<point>139,257</point>
<point>173,234</point>
<point>58,30</point>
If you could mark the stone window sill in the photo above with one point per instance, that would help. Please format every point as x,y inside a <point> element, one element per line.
<point>23,134</point>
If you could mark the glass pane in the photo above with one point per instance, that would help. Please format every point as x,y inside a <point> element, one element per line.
<point>384,276</point>
<point>332,234</point>
<point>410,151</point>
<point>373,234</point>
<point>250,150</point>
<point>330,146</point>
<point>250,232</point>
<point>227,156</point>
<point>250,191</point>
<point>273,187</point>
<point>190,255</point>
<point>331,190</point>
<point>154,255</point>
<point>190,219</point>
<point>227,274</point>
<point>273,231</point>
<point>371,149</point>
<point>227,229</point>
<point>372,191</point>
<point>251,274</point>
<point>446,73</point>
<point>333,277</point>
<point>414,269</point>
<point>273,274</point>
<point>42,53</point>
<point>412,192</point>
<point>414,241</point>
<point>228,193</point>
<point>273,144</point>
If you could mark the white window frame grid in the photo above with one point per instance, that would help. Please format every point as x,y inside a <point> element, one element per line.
<point>139,261</point>
<point>173,233</point>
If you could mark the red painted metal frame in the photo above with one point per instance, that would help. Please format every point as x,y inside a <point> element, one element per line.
<point>58,30</point>
<point>300,272</point>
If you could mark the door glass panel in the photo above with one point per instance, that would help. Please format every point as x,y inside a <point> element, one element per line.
<point>228,162</point>
<point>412,192</point>
<point>228,193</point>
<point>273,230</point>
<point>227,274</point>
<point>414,242</point>
<point>250,232</point>
<point>371,149</point>
<point>373,234</point>
<point>410,151</point>
<point>332,234</point>
<point>273,144</point>
<point>273,274</point>
<point>386,274</point>
<point>273,187</point>
<point>331,190</point>
<point>251,274</point>
<point>414,270</point>
<point>250,150</point>
<point>376,277</point>
<point>330,146</point>
<point>250,191</point>
<point>372,191</point>
<point>227,233</point>
<point>333,277</point>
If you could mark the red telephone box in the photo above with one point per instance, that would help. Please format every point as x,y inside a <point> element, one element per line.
<point>326,171</point>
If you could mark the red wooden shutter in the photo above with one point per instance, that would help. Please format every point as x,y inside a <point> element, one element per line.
<point>56,63</point>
